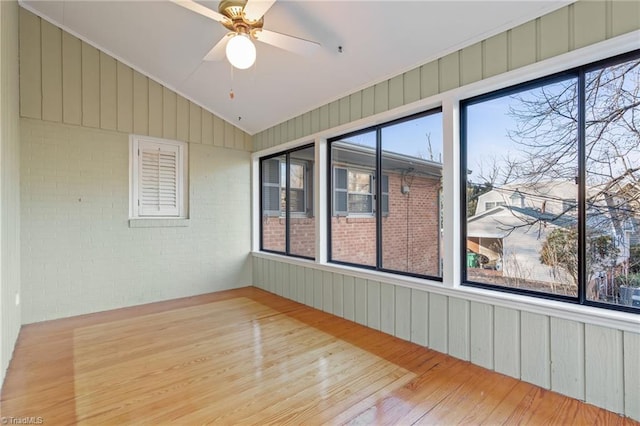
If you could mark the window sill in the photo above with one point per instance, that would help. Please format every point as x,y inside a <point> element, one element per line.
<point>159,223</point>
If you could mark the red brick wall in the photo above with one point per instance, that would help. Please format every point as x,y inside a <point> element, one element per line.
<point>412,248</point>
<point>302,239</point>
<point>273,229</point>
<point>410,234</point>
<point>353,239</point>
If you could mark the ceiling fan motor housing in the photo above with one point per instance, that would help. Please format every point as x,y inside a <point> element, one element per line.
<point>234,10</point>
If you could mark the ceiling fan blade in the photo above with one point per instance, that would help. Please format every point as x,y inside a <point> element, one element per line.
<point>255,9</point>
<point>200,9</point>
<point>217,52</point>
<point>287,42</point>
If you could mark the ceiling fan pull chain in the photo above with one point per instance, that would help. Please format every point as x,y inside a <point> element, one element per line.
<point>231,94</point>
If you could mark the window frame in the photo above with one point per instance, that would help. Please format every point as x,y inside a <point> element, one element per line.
<point>306,210</point>
<point>287,215</point>
<point>378,212</point>
<point>449,101</point>
<point>136,144</point>
<point>352,171</point>
<point>578,73</point>
<point>372,184</point>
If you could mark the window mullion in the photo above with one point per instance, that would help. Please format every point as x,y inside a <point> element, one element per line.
<point>377,197</point>
<point>287,199</point>
<point>582,197</point>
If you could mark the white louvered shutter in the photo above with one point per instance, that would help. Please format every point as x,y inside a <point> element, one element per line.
<point>158,179</point>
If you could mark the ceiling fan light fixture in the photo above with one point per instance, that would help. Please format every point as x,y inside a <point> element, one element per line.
<point>241,52</point>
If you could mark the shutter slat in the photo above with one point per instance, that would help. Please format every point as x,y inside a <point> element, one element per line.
<point>158,181</point>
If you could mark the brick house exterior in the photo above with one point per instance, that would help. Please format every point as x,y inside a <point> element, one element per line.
<point>410,231</point>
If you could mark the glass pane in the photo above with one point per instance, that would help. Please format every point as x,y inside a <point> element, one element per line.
<point>613,184</point>
<point>298,174</point>
<point>353,233</point>
<point>302,225</point>
<point>411,220</point>
<point>522,170</point>
<point>298,170</point>
<point>359,203</point>
<point>283,187</point>
<point>273,220</point>
<point>360,182</point>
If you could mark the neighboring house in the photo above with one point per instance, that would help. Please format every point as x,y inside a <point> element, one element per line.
<point>545,196</point>
<point>511,238</point>
<point>411,220</point>
<point>512,223</point>
<point>516,218</point>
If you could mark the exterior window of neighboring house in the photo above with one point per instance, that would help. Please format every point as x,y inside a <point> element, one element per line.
<point>402,162</point>
<point>297,187</point>
<point>360,192</point>
<point>569,142</point>
<point>274,185</point>
<point>287,225</point>
<point>353,192</point>
<point>158,178</point>
<point>517,199</point>
<point>491,204</point>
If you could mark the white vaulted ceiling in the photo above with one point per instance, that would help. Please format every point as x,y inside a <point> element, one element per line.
<point>379,39</point>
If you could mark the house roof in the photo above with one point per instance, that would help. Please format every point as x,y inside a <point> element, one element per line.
<point>501,220</point>
<point>363,156</point>
<point>562,221</point>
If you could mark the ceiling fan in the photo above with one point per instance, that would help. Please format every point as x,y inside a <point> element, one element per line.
<point>245,19</point>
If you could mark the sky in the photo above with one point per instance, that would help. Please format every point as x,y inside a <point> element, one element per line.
<point>409,137</point>
<point>488,125</point>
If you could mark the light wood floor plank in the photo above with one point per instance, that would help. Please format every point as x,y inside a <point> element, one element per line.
<point>249,357</point>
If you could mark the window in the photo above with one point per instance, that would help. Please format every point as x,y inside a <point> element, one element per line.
<point>274,185</point>
<point>298,187</point>
<point>353,192</point>
<point>158,178</point>
<point>287,225</point>
<point>491,204</point>
<point>401,161</point>
<point>360,192</point>
<point>569,167</point>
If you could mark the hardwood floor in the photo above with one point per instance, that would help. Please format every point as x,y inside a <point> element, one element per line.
<point>248,357</point>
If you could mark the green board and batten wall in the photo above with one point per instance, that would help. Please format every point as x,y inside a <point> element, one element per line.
<point>65,80</point>
<point>597,364</point>
<point>572,27</point>
<point>80,252</point>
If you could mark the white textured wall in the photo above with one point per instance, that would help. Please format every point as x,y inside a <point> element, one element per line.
<point>78,106</point>
<point>9,184</point>
<point>79,254</point>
